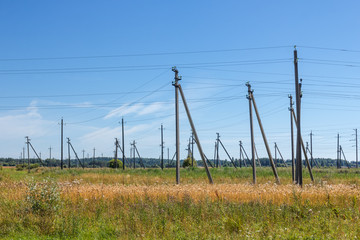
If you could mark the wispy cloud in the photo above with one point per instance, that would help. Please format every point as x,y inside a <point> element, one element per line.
<point>138,109</point>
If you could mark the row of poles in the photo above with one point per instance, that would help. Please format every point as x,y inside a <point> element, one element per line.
<point>295,118</point>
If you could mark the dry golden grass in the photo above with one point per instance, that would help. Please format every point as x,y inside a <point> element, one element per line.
<point>76,190</point>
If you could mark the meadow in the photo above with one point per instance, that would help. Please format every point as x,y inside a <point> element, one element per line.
<point>49,203</point>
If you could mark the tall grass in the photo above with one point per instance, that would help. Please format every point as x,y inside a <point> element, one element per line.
<point>146,204</point>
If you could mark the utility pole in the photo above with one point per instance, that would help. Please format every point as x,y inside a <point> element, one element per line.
<point>116,153</point>
<point>94,159</point>
<point>28,152</point>
<point>68,142</point>
<point>168,156</point>
<point>176,85</point>
<point>311,149</point>
<point>83,152</point>
<point>249,96</point>
<point>192,149</point>
<point>291,109</point>
<point>123,142</point>
<point>218,163</point>
<point>23,155</point>
<point>162,148</point>
<point>299,178</point>
<point>62,143</point>
<point>338,162</point>
<point>240,164</point>
<point>133,147</point>
<point>50,152</point>
<point>197,140</point>
<point>252,100</point>
<point>356,146</point>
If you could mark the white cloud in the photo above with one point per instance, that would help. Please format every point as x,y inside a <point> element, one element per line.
<point>123,110</point>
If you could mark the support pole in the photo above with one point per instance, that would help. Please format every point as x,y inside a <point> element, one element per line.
<point>231,159</point>
<point>116,153</point>
<point>94,158</point>
<point>249,96</point>
<point>192,149</point>
<point>240,155</point>
<point>218,163</point>
<point>338,163</point>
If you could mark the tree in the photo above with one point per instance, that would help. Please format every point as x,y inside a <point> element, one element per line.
<point>187,162</point>
<point>112,164</point>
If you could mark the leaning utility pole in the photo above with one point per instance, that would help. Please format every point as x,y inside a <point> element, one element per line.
<point>291,109</point>
<point>123,142</point>
<point>162,148</point>
<point>202,155</point>
<point>299,178</point>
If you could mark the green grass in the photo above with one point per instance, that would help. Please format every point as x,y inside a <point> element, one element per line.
<point>182,218</point>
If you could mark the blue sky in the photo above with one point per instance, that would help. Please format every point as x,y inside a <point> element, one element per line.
<point>93,62</point>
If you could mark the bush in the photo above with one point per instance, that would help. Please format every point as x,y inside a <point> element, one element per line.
<point>24,166</point>
<point>112,164</point>
<point>187,162</point>
<point>43,197</point>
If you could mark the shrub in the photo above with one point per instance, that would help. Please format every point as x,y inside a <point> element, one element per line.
<point>112,164</point>
<point>43,197</point>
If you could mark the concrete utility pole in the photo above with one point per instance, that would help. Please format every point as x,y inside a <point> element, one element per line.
<point>94,158</point>
<point>168,156</point>
<point>311,149</point>
<point>23,155</point>
<point>240,155</point>
<point>50,152</point>
<point>28,152</point>
<point>338,162</point>
<point>62,143</point>
<point>249,96</point>
<point>68,142</point>
<point>176,85</point>
<point>218,163</point>
<point>83,152</point>
<point>162,148</point>
<point>116,153</point>
<point>291,109</point>
<point>123,142</point>
<point>299,178</point>
<point>356,146</point>
<point>192,149</point>
<point>250,93</point>
<point>202,155</point>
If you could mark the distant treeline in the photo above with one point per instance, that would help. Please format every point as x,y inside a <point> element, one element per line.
<point>155,163</point>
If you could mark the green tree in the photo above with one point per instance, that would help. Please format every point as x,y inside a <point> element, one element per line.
<point>187,162</point>
<point>112,164</point>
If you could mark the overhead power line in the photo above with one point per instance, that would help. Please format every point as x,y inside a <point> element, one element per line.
<point>141,54</point>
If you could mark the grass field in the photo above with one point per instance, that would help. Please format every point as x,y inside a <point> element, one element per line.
<point>146,204</point>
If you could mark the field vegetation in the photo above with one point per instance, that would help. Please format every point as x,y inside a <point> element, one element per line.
<point>146,204</point>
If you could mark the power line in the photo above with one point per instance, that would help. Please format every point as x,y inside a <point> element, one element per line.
<point>141,54</point>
